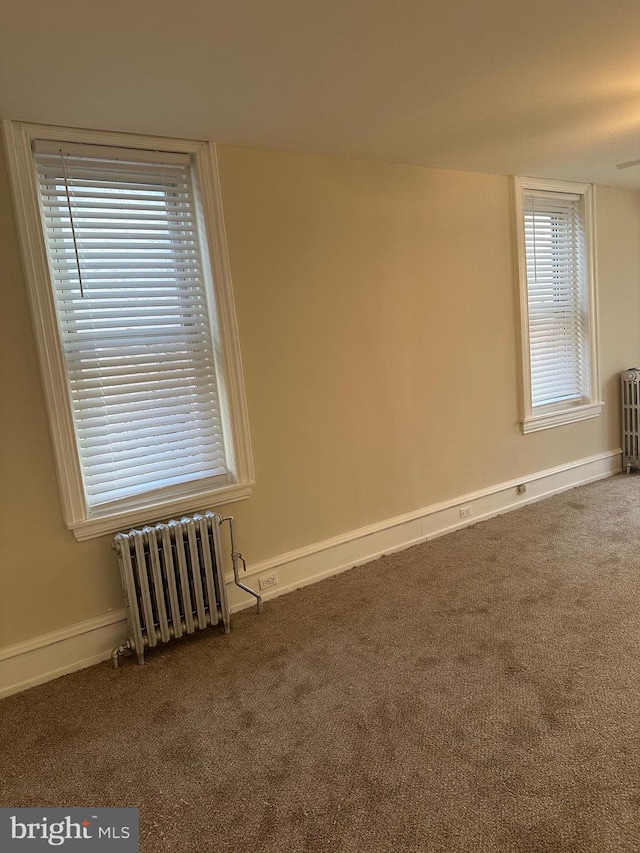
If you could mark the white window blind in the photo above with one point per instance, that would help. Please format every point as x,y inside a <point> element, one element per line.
<point>134,315</point>
<point>557,297</point>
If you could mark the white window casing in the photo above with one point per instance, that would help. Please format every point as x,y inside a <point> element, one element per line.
<point>125,259</point>
<point>558,302</point>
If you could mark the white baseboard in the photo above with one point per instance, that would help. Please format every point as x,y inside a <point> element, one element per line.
<point>48,656</point>
<point>315,562</point>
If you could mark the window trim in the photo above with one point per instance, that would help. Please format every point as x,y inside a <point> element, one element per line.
<point>557,414</point>
<point>86,524</point>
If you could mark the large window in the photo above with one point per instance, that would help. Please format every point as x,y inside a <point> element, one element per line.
<point>125,256</point>
<point>558,303</point>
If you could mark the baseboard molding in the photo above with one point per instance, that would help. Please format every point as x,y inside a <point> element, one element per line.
<point>81,645</point>
<point>49,656</point>
<point>332,556</point>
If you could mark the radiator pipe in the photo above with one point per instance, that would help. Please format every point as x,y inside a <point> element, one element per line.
<point>236,557</point>
<point>119,650</point>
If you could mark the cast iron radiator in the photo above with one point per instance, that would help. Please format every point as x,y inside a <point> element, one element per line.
<point>173,580</point>
<point>630,397</point>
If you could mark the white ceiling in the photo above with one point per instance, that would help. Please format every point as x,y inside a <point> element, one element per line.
<point>550,88</point>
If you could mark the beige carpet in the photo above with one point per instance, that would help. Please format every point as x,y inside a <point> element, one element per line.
<point>477,693</point>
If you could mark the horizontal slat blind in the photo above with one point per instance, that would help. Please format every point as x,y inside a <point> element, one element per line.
<point>127,271</point>
<point>556,275</point>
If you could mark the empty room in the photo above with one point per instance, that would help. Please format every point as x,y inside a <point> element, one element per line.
<point>320,430</point>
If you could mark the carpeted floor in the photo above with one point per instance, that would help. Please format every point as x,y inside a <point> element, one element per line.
<point>480,692</point>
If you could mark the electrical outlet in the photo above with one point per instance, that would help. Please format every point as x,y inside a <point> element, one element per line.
<point>466,511</point>
<point>267,581</point>
<point>522,488</point>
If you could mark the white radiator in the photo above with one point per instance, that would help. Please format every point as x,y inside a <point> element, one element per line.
<point>630,397</point>
<point>173,580</point>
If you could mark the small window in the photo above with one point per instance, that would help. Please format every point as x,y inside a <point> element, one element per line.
<point>132,298</point>
<point>558,303</point>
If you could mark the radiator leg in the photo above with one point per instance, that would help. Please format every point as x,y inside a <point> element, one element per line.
<point>140,656</point>
<point>119,650</point>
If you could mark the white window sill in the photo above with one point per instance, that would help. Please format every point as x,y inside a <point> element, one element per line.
<point>159,511</point>
<point>561,417</point>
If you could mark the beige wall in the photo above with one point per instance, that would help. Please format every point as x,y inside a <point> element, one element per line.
<point>377,312</point>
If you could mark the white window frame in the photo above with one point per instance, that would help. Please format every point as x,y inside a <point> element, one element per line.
<point>558,414</point>
<point>86,523</point>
